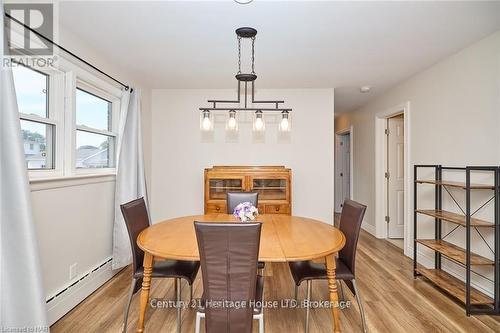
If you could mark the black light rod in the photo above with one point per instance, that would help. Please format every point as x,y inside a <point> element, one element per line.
<point>68,51</point>
<point>244,109</point>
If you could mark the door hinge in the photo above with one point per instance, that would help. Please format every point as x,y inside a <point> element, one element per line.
<point>341,174</point>
<point>341,143</point>
<point>386,131</point>
<point>387,175</point>
<point>387,219</point>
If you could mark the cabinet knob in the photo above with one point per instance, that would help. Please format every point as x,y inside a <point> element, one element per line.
<point>277,209</point>
<point>217,208</point>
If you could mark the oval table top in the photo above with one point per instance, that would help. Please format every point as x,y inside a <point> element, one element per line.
<point>283,238</point>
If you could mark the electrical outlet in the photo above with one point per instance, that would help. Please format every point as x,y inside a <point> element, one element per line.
<point>73,271</point>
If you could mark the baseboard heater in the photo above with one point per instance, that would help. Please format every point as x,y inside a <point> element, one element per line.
<point>69,297</point>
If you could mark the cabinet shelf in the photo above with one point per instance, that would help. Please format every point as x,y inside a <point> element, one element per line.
<point>456,184</point>
<point>453,286</point>
<point>454,252</point>
<point>227,187</point>
<point>454,218</point>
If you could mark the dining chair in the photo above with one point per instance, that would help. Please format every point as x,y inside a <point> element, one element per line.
<point>233,199</point>
<point>136,218</point>
<point>228,255</point>
<point>350,224</point>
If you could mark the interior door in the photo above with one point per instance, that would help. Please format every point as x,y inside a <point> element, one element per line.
<point>346,179</point>
<point>395,163</point>
<point>342,179</point>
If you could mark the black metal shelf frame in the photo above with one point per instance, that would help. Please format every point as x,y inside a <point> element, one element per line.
<point>438,198</point>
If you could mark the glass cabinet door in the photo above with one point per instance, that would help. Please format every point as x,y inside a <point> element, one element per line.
<point>270,188</point>
<point>218,187</point>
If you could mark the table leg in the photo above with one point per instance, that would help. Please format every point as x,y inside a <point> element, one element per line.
<point>146,284</point>
<point>332,287</point>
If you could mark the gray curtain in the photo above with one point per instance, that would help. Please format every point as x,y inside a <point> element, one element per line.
<point>130,178</point>
<point>22,298</point>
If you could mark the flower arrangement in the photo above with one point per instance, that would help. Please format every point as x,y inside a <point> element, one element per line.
<point>245,211</point>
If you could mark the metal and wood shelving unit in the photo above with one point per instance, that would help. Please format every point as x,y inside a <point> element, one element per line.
<point>475,302</point>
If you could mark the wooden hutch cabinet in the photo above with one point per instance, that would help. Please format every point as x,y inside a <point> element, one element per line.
<point>273,183</point>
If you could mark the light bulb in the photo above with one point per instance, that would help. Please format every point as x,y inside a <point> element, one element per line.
<point>259,124</point>
<point>206,123</point>
<point>231,123</point>
<point>284,125</point>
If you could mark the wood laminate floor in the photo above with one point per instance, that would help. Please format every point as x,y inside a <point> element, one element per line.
<point>394,301</point>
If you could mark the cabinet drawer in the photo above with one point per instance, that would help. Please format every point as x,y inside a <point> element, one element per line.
<point>216,208</point>
<point>261,208</point>
<point>277,209</point>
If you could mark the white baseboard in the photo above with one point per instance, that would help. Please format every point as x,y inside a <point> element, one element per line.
<point>369,228</point>
<point>483,285</point>
<point>78,290</point>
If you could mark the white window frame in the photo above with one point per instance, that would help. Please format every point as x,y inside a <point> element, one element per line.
<point>115,112</point>
<point>63,80</point>
<point>77,77</point>
<point>54,118</point>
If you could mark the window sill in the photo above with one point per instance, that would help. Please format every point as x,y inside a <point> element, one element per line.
<point>45,183</point>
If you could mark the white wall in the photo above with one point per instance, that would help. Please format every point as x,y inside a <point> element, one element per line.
<point>181,153</point>
<point>74,218</point>
<point>455,116</point>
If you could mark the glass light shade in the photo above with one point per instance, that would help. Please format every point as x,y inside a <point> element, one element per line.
<point>206,123</point>
<point>258,123</point>
<point>285,123</point>
<point>232,122</point>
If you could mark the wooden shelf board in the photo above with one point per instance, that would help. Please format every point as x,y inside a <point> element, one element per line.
<point>454,252</point>
<point>454,218</point>
<point>227,187</point>
<point>453,286</point>
<point>456,184</point>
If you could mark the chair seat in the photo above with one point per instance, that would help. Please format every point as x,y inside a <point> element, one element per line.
<point>308,270</point>
<point>172,269</point>
<point>259,294</point>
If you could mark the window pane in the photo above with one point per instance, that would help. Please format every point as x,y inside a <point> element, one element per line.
<point>31,91</point>
<point>92,111</point>
<point>94,150</point>
<point>38,144</point>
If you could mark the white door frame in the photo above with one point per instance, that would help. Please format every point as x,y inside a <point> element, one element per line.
<point>381,167</point>
<point>350,131</point>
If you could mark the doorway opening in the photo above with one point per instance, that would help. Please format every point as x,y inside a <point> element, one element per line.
<point>343,168</point>
<point>392,176</point>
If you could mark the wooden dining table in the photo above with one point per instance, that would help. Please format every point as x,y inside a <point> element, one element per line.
<point>284,238</point>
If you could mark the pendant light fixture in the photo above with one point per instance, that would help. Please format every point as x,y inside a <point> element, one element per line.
<point>232,122</point>
<point>285,125</point>
<point>245,79</point>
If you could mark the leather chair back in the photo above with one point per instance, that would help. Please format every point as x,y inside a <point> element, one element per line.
<point>350,224</point>
<point>228,256</point>
<point>235,198</point>
<point>136,218</point>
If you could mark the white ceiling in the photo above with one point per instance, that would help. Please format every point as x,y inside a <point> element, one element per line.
<point>300,44</point>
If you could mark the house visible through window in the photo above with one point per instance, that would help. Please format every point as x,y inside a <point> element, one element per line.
<point>37,127</point>
<point>95,140</point>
